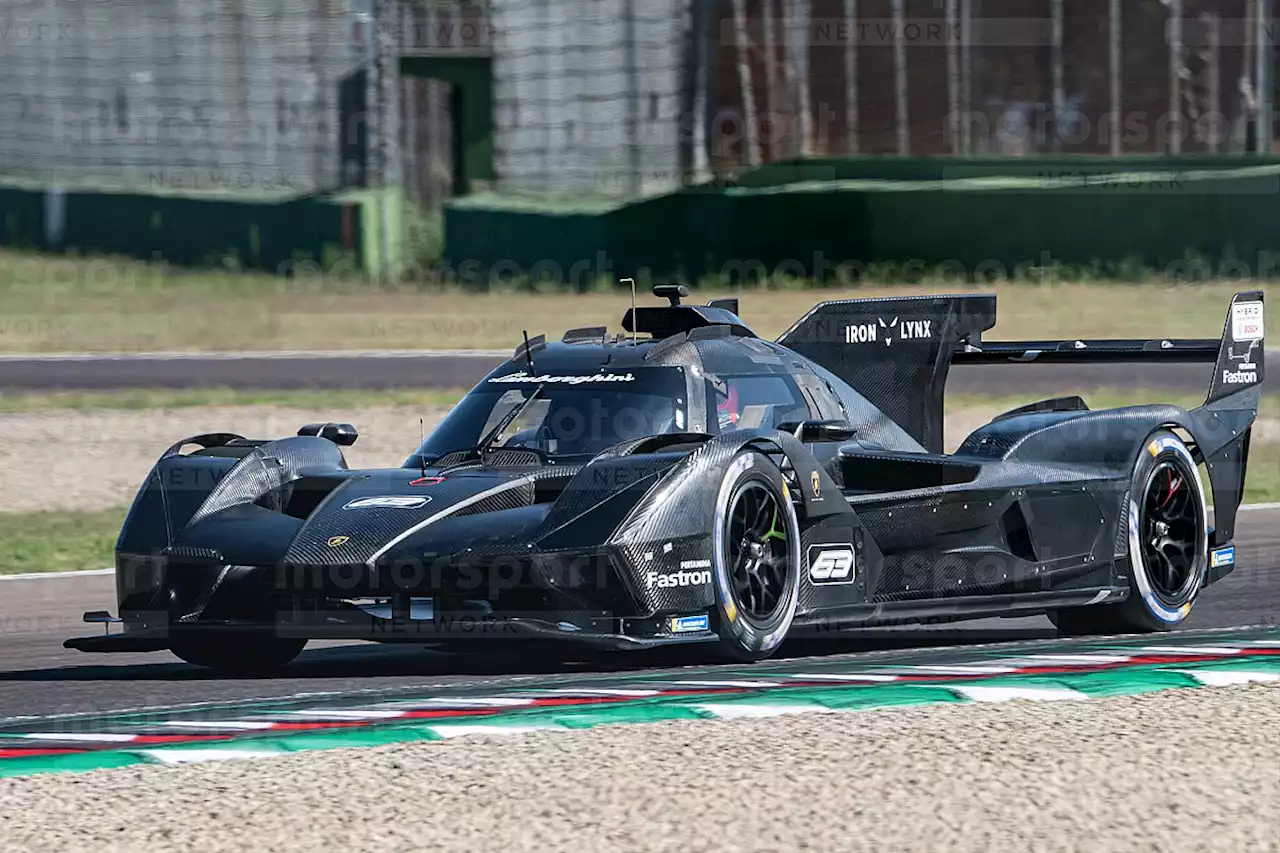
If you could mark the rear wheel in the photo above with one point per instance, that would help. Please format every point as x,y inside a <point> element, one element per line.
<point>238,652</point>
<point>1168,546</point>
<point>756,559</point>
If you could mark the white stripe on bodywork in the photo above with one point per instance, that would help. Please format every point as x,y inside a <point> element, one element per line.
<point>445,513</point>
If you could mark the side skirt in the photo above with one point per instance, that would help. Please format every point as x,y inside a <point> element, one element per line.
<point>888,614</point>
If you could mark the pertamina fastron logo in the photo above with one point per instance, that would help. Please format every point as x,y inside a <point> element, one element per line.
<point>888,331</point>
<point>679,578</point>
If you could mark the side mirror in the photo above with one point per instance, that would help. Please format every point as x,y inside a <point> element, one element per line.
<point>810,432</point>
<point>343,435</point>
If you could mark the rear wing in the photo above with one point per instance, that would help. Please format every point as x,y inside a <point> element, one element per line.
<point>1239,355</point>
<point>897,352</point>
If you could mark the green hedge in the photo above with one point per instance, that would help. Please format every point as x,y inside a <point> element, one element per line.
<point>186,231</point>
<point>979,222</point>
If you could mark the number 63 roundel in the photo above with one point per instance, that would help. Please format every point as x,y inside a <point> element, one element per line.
<point>831,564</point>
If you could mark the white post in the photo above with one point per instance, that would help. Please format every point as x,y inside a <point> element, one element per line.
<point>1114,29</point>
<point>1175,76</point>
<point>1059,92</point>
<point>1213,35</point>
<point>966,77</point>
<point>851,76</point>
<point>705,45</point>
<point>900,77</point>
<point>953,77</point>
<point>770,64</point>
<point>1263,75</point>
<point>751,137</point>
<point>798,44</point>
<point>409,97</point>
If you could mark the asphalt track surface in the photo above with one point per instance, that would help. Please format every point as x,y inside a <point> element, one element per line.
<point>39,678</point>
<point>401,369</point>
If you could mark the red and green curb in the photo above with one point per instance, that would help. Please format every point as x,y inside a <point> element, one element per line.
<point>824,686</point>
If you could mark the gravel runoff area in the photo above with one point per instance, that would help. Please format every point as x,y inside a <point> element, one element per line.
<point>96,458</point>
<point>105,453</point>
<point>1191,769</point>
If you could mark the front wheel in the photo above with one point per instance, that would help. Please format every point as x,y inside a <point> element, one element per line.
<point>1168,546</point>
<point>238,652</point>
<point>756,558</point>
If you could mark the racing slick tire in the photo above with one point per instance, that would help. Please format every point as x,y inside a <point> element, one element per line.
<point>237,652</point>
<point>755,559</point>
<point>1168,546</point>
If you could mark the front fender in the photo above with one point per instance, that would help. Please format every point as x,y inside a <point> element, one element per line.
<point>682,504</point>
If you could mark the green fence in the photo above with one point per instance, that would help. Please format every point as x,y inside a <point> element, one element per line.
<point>266,234</point>
<point>968,217</point>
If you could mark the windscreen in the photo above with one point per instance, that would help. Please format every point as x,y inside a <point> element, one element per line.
<point>563,415</point>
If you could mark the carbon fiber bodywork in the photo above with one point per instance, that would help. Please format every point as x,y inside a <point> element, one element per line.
<point>616,546</point>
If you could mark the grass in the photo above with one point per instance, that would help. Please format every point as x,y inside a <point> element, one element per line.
<point>58,541</point>
<point>68,304</point>
<point>161,399</point>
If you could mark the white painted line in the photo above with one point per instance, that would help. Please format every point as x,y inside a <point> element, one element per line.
<point>1265,643</point>
<point>962,670</point>
<point>451,730</point>
<point>1009,694</point>
<point>40,576</point>
<point>1187,650</point>
<point>569,691</point>
<point>219,725</point>
<point>825,676</point>
<point>1069,660</point>
<point>200,756</point>
<point>74,737</point>
<point>349,714</point>
<point>1227,677</point>
<point>1251,507</point>
<point>246,355</point>
<point>728,683</point>
<point>471,702</point>
<point>756,710</point>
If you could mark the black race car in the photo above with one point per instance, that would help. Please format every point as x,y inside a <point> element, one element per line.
<point>701,485</point>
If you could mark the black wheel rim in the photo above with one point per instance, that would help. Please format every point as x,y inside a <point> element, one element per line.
<point>1170,529</point>
<point>757,550</point>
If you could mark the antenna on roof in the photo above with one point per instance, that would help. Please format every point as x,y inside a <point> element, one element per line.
<point>422,459</point>
<point>528,353</point>
<point>633,307</point>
